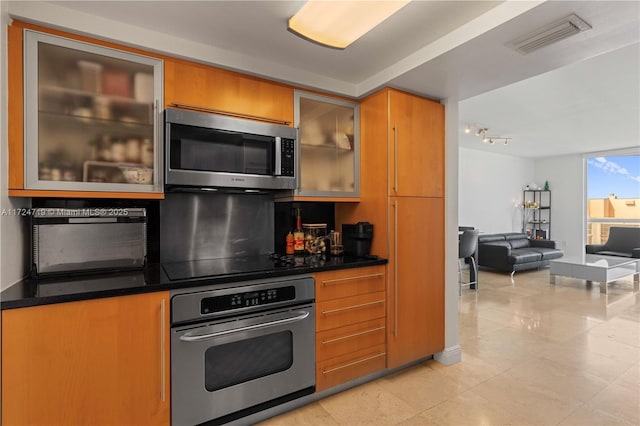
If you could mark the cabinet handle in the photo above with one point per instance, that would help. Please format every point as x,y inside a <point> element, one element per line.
<point>157,171</point>
<point>230,114</point>
<point>348,308</point>
<point>325,282</point>
<point>350,336</point>
<point>395,267</point>
<point>395,157</point>
<point>350,364</point>
<point>162,358</point>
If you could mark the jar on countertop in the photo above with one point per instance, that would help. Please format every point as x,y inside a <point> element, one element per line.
<point>314,237</point>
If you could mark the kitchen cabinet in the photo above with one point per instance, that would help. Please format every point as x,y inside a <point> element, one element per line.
<point>416,145</point>
<point>98,362</point>
<point>350,324</point>
<point>92,119</point>
<point>416,283</point>
<point>328,149</point>
<point>401,194</point>
<point>196,86</point>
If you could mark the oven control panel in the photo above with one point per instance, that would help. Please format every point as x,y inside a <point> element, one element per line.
<point>228,302</point>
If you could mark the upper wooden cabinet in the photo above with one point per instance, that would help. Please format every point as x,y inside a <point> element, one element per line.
<point>95,362</point>
<point>329,146</point>
<point>416,142</point>
<point>192,85</point>
<point>92,119</point>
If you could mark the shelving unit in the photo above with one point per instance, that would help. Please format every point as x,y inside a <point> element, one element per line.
<point>536,221</point>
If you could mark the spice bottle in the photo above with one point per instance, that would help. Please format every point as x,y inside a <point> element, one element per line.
<point>289,241</point>
<point>298,236</point>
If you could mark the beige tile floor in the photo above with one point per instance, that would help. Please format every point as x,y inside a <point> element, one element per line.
<point>533,354</point>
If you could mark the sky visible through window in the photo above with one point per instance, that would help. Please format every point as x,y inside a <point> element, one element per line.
<point>613,175</point>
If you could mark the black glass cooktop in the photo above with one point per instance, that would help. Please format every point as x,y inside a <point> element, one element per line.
<point>177,271</point>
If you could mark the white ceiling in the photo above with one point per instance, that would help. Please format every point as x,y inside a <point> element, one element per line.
<point>588,106</point>
<point>441,49</point>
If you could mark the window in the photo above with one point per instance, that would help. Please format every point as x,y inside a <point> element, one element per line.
<point>613,194</point>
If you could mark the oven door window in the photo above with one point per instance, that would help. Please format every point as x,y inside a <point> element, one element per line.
<point>198,148</point>
<point>238,362</point>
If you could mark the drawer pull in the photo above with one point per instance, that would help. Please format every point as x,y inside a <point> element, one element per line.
<point>337,339</point>
<point>359,277</point>
<point>348,308</point>
<point>360,361</point>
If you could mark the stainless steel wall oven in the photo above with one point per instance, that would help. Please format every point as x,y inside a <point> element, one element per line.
<point>236,347</point>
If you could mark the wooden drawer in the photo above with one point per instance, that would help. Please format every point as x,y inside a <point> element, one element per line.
<point>349,282</point>
<point>350,310</point>
<point>344,368</point>
<point>349,339</point>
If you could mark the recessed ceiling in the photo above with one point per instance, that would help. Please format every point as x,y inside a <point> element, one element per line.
<point>589,106</point>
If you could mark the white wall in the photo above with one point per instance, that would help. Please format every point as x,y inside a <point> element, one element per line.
<point>452,352</point>
<point>566,182</point>
<point>490,185</point>
<point>13,241</point>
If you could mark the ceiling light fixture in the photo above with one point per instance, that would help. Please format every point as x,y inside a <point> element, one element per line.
<point>337,24</point>
<point>482,133</point>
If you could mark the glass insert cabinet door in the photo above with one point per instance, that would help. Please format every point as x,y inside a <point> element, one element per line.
<point>329,146</point>
<point>92,117</point>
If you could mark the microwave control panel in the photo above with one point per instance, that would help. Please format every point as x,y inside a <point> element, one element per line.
<point>229,302</point>
<point>288,157</point>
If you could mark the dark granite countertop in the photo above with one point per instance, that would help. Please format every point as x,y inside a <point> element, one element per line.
<point>34,292</point>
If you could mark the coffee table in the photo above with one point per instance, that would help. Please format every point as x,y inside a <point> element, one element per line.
<point>601,269</point>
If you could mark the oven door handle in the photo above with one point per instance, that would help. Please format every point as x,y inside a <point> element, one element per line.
<point>188,337</point>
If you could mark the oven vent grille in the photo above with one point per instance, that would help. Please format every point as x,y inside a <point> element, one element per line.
<point>549,34</point>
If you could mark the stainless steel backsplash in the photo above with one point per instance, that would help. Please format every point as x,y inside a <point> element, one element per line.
<point>195,226</point>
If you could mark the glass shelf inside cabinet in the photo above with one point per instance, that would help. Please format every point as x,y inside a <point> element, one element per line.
<point>91,115</point>
<point>328,145</point>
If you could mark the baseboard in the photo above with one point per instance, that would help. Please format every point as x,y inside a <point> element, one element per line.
<point>449,356</point>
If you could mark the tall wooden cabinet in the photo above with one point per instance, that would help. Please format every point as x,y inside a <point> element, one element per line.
<point>98,362</point>
<point>402,194</point>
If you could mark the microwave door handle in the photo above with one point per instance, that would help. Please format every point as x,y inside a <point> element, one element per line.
<point>198,337</point>
<point>278,157</point>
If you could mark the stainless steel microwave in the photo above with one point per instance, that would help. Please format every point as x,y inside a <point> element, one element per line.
<point>211,150</point>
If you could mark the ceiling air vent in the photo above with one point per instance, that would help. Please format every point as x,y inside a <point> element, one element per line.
<point>549,34</point>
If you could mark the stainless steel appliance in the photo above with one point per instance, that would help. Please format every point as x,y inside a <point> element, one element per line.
<point>87,239</point>
<point>240,347</point>
<point>211,150</point>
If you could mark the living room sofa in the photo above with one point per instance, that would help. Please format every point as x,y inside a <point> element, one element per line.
<point>513,252</point>
<point>622,241</point>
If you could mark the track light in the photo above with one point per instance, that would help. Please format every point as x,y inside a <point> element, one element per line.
<point>482,133</point>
